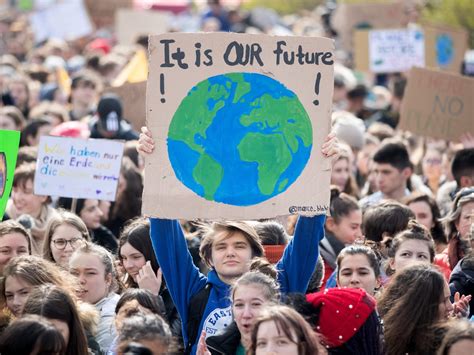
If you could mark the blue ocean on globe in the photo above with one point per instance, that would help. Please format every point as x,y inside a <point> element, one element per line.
<point>239,139</point>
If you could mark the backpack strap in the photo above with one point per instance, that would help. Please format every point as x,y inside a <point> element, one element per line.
<point>197,306</point>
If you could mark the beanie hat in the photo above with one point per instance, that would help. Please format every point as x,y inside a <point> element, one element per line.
<point>349,128</point>
<point>273,253</point>
<point>109,110</point>
<point>342,312</point>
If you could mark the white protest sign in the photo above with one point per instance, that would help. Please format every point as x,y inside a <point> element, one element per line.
<point>78,168</point>
<point>66,20</point>
<point>396,50</point>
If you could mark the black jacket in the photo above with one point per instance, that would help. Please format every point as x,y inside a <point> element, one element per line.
<point>104,237</point>
<point>462,280</point>
<point>172,316</point>
<point>225,342</point>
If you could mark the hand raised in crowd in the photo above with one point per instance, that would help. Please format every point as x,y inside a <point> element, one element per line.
<point>202,347</point>
<point>461,305</point>
<point>147,279</point>
<point>146,144</point>
<point>330,147</point>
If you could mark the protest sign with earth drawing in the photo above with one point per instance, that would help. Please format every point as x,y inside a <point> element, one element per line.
<point>239,121</point>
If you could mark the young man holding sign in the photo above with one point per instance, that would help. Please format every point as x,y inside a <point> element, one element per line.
<point>203,302</point>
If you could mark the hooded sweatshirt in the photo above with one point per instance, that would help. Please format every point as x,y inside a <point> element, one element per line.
<point>184,279</point>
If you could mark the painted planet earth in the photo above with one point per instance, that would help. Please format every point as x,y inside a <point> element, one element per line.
<point>444,49</point>
<point>239,139</point>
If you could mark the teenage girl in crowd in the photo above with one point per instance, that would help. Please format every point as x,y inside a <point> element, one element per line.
<point>358,267</point>
<point>128,203</point>
<point>95,270</point>
<point>90,213</point>
<point>59,308</point>
<point>32,335</point>
<point>458,224</point>
<point>250,295</point>
<point>64,234</point>
<point>22,274</point>
<point>25,205</point>
<point>282,330</point>
<point>14,241</point>
<point>412,306</point>
<point>133,301</point>
<point>427,213</point>
<point>342,228</point>
<point>142,270</point>
<point>341,174</point>
<point>413,245</point>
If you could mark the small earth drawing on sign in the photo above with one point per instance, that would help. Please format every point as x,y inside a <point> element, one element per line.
<point>239,139</point>
<point>444,49</point>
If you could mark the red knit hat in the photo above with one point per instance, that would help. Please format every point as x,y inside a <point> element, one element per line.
<point>273,253</point>
<point>342,311</point>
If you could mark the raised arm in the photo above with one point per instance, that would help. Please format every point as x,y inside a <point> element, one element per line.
<point>182,277</point>
<point>300,256</point>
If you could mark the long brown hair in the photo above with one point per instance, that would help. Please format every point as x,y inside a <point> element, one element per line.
<point>409,307</point>
<point>137,234</point>
<point>291,324</point>
<point>36,272</point>
<point>128,203</point>
<point>53,302</point>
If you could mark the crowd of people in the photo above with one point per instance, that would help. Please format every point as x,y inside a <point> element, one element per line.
<point>389,270</point>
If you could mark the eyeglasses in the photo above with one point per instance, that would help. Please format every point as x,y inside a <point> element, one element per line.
<point>61,243</point>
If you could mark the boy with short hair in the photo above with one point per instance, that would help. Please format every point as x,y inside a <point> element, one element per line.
<point>393,169</point>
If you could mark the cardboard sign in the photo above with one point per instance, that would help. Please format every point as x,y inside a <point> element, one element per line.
<point>133,97</point>
<point>348,18</point>
<point>398,50</point>
<point>438,105</point>
<point>389,51</point>
<point>130,24</point>
<point>102,12</point>
<point>445,47</point>
<point>78,168</point>
<point>238,122</point>
<point>9,143</point>
<point>66,20</point>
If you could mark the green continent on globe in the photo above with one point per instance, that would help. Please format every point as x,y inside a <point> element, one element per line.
<point>272,157</point>
<point>277,115</point>
<point>208,173</point>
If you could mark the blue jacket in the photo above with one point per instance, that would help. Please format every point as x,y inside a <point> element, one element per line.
<point>184,280</point>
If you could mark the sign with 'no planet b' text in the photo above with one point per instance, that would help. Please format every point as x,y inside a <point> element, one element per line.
<point>78,168</point>
<point>238,121</point>
<point>438,105</point>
